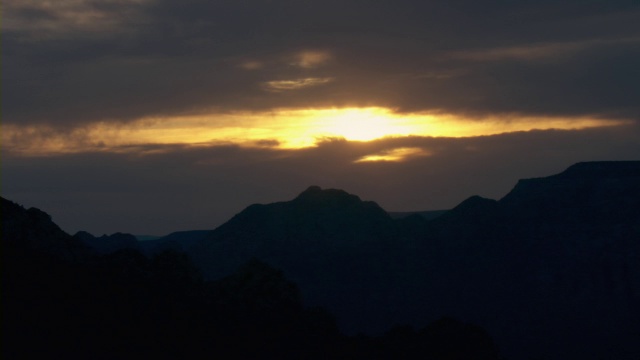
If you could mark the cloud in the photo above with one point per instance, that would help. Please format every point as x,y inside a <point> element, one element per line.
<point>311,59</point>
<point>164,188</point>
<point>540,52</point>
<point>251,65</point>
<point>396,154</point>
<point>295,84</point>
<point>149,101</point>
<point>282,128</point>
<point>72,62</point>
<point>37,20</point>
<point>268,143</point>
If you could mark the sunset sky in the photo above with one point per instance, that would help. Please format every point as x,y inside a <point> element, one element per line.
<point>152,116</point>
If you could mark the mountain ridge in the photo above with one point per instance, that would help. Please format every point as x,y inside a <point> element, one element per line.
<point>556,258</point>
<point>562,243</point>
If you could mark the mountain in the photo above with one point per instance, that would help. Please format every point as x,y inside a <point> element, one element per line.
<point>551,270</point>
<point>107,244</point>
<point>61,300</point>
<point>428,214</point>
<point>125,305</point>
<point>323,240</point>
<point>556,258</point>
<point>179,240</point>
<point>317,220</point>
<point>33,230</point>
<point>594,196</point>
<point>559,255</point>
<point>578,254</point>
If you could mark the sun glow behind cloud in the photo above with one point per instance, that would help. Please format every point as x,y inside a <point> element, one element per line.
<point>284,129</point>
<point>397,154</point>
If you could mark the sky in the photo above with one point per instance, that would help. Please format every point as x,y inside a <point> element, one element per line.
<point>153,116</point>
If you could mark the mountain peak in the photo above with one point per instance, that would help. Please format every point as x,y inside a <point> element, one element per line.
<point>312,189</point>
<point>315,194</point>
<point>33,229</point>
<point>601,169</point>
<point>588,193</point>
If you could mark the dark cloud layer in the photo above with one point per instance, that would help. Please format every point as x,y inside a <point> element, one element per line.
<point>199,188</point>
<point>78,62</point>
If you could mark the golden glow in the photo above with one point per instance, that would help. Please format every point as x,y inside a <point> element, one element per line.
<point>362,124</point>
<point>397,154</point>
<point>284,129</point>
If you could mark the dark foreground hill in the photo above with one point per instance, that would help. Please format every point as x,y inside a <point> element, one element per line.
<point>553,268</point>
<point>62,300</point>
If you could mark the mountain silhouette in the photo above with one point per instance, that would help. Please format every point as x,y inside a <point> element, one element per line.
<point>323,240</point>
<point>557,257</point>
<point>125,305</point>
<point>107,244</point>
<point>427,215</point>
<point>551,270</point>
<point>32,229</point>
<point>179,240</point>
